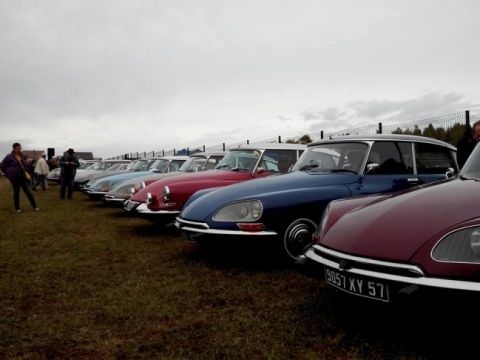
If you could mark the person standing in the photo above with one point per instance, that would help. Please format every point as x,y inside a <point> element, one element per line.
<point>14,166</point>
<point>466,144</point>
<point>41,172</point>
<point>68,164</point>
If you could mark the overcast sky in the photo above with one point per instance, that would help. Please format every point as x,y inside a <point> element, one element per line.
<point>118,76</point>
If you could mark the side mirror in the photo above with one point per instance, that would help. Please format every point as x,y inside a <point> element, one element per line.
<point>371,167</point>
<point>450,173</point>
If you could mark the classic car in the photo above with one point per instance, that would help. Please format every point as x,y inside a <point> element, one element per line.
<point>162,200</point>
<point>97,188</point>
<point>287,208</point>
<point>197,162</point>
<point>98,169</point>
<point>425,239</point>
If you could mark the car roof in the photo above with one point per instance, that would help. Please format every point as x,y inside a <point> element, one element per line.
<point>208,153</point>
<point>386,137</point>
<point>271,146</point>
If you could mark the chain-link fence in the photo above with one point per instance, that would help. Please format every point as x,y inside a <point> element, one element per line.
<point>443,121</point>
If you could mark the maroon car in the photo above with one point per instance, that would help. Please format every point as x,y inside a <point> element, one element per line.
<point>425,238</point>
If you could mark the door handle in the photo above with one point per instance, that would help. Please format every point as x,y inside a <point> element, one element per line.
<point>413,181</point>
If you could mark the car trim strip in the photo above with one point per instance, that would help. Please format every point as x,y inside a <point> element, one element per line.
<point>225,232</point>
<point>422,281</point>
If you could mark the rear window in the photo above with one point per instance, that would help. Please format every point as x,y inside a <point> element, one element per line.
<point>433,159</point>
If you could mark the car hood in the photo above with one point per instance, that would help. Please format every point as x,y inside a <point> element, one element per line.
<point>268,190</point>
<point>398,226</point>
<point>118,178</point>
<point>145,177</point>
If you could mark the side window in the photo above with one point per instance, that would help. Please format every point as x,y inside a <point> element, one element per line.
<point>433,159</point>
<point>391,158</point>
<point>174,165</point>
<point>284,159</point>
<point>212,162</point>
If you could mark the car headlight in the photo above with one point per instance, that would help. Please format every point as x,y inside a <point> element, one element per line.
<point>242,211</point>
<point>166,194</point>
<point>149,198</point>
<point>137,187</point>
<point>459,246</point>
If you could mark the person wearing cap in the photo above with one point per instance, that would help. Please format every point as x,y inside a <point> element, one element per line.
<point>68,164</point>
<point>14,166</point>
<point>41,172</point>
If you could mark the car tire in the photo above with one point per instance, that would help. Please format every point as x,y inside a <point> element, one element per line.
<point>297,238</point>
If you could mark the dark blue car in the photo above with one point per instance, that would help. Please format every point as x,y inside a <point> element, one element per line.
<point>288,207</point>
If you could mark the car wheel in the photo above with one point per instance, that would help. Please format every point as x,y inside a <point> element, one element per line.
<point>298,238</point>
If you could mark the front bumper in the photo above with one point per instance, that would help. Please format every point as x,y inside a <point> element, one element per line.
<point>383,270</point>
<point>96,195</point>
<point>113,199</point>
<point>194,229</point>
<point>160,216</point>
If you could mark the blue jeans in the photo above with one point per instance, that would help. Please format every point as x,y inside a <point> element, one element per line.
<point>21,183</point>
<point>66,183</point>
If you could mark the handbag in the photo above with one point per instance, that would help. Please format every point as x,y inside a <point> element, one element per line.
<point>26,174</point>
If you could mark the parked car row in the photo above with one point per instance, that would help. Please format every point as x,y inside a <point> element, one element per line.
<point>378,215</point>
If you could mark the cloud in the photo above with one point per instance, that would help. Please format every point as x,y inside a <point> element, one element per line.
<point>370,112</point>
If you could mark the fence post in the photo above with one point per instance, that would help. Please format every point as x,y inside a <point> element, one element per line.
<point>188,151</point>
<point>223,146</point>
<point>379,128</point>
<point>248,142</point>
<point>144,154</point>
<point>137,155</point>
<point>467,118</point>
<point>279,139</point>
<point>153,153</point>
<point>203,148</point>
<point>163,152</point>
<point>321,135</point>
<point>174,152</point>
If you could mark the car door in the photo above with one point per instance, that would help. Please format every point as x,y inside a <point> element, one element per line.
<point>389,167</point>
<point>433,162</point>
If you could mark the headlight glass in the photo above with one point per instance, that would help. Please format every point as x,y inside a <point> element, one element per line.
<point>166,194</point>
<point>242,211</point>
<point>461,246</point>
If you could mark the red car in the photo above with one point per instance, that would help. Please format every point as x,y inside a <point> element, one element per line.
<point>426,238</point>
<point>162,200</point>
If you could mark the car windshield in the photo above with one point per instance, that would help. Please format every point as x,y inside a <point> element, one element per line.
<point>239,160</point>
<point>160,165</point>
<point>139,165</point>
<point>333,157</point>
<point>471,169</point>
<point>194,163</point>
<point>175,165</point>
<point>116,167</point>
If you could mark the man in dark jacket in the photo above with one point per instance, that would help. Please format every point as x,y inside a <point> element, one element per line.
<point>68,164</point>
<point>466,144</point>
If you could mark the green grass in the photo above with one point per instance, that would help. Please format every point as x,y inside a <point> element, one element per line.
<point>81,280</point>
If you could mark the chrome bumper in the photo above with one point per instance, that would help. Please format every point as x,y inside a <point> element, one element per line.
<point>319,255</point>
<point>203,228</point>
<point>144,210</point>
<point>110,198</point>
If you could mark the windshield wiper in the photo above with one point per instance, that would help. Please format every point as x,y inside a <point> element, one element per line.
<point>466,178</point>
<point>221,166</point>
<point>343,170</point>
<point>308,167</point>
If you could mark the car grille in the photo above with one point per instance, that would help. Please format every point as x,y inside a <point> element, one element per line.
<point>191,224</point>
<point>346,262</point>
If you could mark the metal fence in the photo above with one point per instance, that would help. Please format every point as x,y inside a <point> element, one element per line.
<point>445,121</point>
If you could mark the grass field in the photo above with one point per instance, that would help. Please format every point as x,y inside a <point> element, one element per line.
<point>81,280</point>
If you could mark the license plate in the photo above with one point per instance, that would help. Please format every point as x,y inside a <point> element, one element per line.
<point>357,285</point>
<point>130,205</point>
